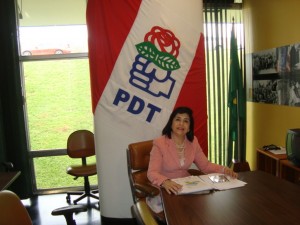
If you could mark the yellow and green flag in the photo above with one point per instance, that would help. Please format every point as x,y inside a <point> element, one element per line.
<point>237,105</point>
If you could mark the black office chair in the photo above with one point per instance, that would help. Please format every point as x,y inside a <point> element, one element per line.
<point>81,145</point>
<point>13,212</point>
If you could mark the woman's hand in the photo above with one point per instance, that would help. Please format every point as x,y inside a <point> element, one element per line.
<point>230,172</point>
<point>171,187</point>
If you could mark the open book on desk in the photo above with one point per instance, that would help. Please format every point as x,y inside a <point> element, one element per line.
<point>206,183</point>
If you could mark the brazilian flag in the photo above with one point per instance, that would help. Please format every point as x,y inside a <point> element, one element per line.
<point>237,106</point>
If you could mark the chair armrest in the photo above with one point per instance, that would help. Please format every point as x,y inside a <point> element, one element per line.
<point>69,209</point>
<point>195,172</point>
<point>68,212</point>
<point>143,214</point>
<point>147,190</point>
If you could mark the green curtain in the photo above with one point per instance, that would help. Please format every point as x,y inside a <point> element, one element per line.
<point>13,142</point>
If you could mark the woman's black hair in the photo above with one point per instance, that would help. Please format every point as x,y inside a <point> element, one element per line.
<point>180,110</point>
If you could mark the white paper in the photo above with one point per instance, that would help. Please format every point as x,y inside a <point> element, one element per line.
<point>193,184</point>
<point>282,150</point>
<point>206,183</point>
<point>229,184</point>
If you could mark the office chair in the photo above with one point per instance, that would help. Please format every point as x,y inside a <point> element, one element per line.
<point>13,212</point>
<point>242,166</point>
<point>81,144</point>
<point>138,157</point>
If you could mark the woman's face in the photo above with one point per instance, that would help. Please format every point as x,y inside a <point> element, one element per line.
<point>181,124</point>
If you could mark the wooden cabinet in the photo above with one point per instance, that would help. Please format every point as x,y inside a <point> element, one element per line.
<point>289,172</point>
<point>278,165</point>
<point>269,162</point>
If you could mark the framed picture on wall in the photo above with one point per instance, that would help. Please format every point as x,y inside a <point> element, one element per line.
<point>264,63</point>
<point>275,76</point>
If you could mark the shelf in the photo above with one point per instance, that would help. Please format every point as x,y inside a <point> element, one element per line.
<point>269,162</point>
<point>289,172</point>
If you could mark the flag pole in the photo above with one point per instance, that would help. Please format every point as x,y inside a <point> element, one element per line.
<point>239,165</point>
<point>238,128</point>
<point>238,119</point>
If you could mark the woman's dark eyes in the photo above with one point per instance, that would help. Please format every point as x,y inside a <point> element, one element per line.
<point>186,121</point>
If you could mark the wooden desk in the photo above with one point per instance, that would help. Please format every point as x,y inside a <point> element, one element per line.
<point>7,178</point>
<point>269,162</point>
<point>265,199</point>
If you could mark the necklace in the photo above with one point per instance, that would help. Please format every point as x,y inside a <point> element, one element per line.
<point>180,146</point>
<point>180,152</point>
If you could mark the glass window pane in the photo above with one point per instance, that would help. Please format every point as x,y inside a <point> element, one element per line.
<point>52,27</point>
<point>57,92</point>
<point>58,101</point>
<point>49,40</point>
<point>55,176</point>
<point>54,12</point>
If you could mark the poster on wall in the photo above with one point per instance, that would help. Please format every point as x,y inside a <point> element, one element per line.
<point>275,76</point>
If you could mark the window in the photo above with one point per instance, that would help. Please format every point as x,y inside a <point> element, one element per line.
<point>54,61</point>
<point>218,20</point>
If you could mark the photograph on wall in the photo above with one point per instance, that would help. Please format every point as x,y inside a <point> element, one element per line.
<point>276,76</point>
<point>264,62</point>
<point>288,60</point>
<point>265,91</point>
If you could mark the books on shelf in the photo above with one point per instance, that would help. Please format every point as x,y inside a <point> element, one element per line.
<point>206,183</point>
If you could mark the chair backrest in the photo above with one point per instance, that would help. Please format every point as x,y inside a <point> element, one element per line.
<point>138,156</point>
<point>81,144</point>
<point>12,210</point>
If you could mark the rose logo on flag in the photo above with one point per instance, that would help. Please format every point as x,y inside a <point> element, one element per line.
<point>153,66</point>
<point>168,44</point>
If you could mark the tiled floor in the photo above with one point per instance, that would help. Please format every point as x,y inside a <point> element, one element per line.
<point>40,209</point>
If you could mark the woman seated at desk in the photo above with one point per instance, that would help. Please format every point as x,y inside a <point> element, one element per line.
<point>173,154</point>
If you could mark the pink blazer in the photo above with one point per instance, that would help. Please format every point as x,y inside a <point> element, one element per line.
<point>164,161</point>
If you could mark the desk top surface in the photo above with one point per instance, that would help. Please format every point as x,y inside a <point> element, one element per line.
<point>6,179</point>
<point>265,199</point>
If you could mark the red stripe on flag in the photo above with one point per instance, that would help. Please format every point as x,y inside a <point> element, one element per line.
<point>193,94</point>
<point>109,23</point>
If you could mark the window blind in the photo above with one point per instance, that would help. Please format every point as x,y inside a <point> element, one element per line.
<point>219,17</point>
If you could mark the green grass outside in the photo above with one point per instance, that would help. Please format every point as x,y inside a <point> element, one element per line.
<point>58,102</point>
